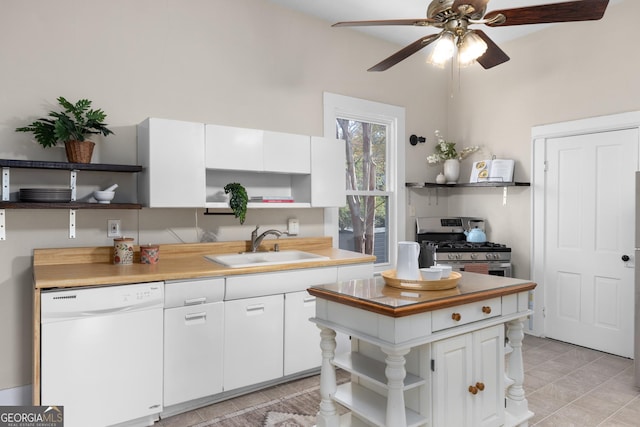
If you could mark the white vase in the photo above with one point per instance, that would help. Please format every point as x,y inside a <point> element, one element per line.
<point>452,170</point>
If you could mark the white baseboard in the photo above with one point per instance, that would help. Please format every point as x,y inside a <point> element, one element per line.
<point>17,396</point>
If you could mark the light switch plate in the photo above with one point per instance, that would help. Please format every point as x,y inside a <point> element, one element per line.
<point>113,228</point>
<point>293,227</point>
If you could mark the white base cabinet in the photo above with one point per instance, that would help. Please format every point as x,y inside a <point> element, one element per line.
<point>253,341</point>
<point>301,340</point>
<point>468,373</point>
<point>193,337</point>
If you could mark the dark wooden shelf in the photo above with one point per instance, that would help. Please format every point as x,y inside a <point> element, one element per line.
<point>35,164</point>
<point>68,205</point>
<point>466,184</point>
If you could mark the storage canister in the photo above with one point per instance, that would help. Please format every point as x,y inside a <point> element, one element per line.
<point>149,254</point>
<point>123,250</point>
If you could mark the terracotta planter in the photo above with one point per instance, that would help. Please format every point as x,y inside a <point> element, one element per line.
<point>79,151</point>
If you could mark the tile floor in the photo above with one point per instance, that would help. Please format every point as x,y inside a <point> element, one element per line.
<point>566,386</point>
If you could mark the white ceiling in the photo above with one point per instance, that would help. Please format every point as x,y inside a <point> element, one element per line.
<point>334,11</point>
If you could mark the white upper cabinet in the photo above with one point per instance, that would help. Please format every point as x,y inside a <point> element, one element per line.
<point>232,148</point>
<point>188,164</point>
<point>328,163</point>
<point>171,153</point>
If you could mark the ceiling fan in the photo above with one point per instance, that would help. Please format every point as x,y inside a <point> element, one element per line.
<point>455,16</point>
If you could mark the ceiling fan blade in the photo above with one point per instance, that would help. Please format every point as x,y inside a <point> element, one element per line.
<point>584,10</point>
<point>404,53</point>
<point>419,22</point>
<point>494,55</point>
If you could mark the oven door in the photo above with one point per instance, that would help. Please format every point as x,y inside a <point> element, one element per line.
<point>502,269</point>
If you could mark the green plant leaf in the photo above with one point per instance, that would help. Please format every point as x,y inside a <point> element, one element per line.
<point>238,200</point>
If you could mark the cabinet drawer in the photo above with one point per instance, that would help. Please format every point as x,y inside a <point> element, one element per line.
<point>466,313</point>
<point>191,292</point>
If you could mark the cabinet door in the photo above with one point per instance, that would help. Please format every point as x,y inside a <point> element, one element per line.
<point>453,365</point>
<point>301,337</point>
<point>253,341</point>
<point>233,148</point>
<point>172,155</point>
<point>488,369</point>
<point>193,338</point>
<point>287,153</point>
<point>328,185</point>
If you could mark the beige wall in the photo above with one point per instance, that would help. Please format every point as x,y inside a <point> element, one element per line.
<point>242,62</point>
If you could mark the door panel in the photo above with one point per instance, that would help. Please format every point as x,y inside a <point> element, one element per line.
<point>590,198</point>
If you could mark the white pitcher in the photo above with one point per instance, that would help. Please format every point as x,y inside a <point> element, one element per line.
<point>407,266</point>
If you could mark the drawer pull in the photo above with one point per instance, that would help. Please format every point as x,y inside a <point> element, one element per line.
<point>480,386</point>
<point>194,301</point>
<point>309,299</point>
<point>456,317</point>
<point>195,316</point>
<point>486,309</point>
<point>473,390</point>
<point>255,308</point>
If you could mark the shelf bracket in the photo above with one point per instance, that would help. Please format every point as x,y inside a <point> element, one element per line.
<point>3,235</point>
<point>72,223</point>
<point>504,196</point>
<point>72,184</point>
<point>5,184</point>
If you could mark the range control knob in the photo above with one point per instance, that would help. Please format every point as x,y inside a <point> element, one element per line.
<point>452,256</point>
<point>489,256</point>
<point>474,256</point>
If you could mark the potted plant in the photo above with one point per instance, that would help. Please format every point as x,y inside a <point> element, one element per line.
<point>238,200</point>
<point>72,127</point>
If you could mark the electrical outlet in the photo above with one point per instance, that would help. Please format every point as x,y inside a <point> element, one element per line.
<point>113,228</point>
<point>293,227</point>
<point>412,210</point>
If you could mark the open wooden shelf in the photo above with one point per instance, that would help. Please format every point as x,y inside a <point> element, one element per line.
<point>67,205</point>
<point>36,164</point>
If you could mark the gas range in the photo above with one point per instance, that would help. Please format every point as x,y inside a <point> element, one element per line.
<point>443,241</point>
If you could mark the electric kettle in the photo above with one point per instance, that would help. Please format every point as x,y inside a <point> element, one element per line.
<point>407,264</point>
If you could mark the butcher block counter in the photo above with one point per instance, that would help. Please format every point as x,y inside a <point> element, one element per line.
<point>72,267</point>
<point>421,358</point>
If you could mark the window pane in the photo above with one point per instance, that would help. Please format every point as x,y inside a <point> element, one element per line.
<point>366,154</point>
<point>363,226</point>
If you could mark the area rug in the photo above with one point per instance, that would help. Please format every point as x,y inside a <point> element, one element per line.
<point>282,419</point>
<point>298,409</point>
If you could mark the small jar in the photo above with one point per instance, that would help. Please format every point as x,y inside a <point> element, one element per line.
<point>123,250</point>
<point>149,254</point>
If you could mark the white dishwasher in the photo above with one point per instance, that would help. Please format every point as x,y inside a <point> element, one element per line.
<point>101,353</point>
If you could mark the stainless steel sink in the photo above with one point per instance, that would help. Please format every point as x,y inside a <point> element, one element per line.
<point>252,259</point>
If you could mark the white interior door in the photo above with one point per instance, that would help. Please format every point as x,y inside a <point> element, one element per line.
<point>590,219</point>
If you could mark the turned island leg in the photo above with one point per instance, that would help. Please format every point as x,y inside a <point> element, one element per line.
<point>328,414</point>
<point>517,404</point>
<point>395,372</point>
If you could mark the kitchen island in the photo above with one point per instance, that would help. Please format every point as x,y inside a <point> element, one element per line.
<point>420,358</point>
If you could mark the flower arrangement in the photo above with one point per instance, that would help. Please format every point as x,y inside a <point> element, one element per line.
<point>447,150</point>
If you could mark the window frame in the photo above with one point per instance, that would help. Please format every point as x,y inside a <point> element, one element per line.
<point>340,106</point>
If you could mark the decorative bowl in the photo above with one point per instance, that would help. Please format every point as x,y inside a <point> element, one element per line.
<point>431,273</point>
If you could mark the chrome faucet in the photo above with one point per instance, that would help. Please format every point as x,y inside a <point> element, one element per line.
<point>256,240</point>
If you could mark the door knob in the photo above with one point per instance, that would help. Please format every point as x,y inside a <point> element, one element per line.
<point>625,258</point>
<point>473,390</point>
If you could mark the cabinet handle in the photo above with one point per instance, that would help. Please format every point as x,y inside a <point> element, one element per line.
<point>480,386</point>
<point>486,309</point>
<point>473,390</point>
<point>456,317</point>
<point>195,316</point>
<point>309,299</point>
<point>256,307</point>
<point>194,301</point>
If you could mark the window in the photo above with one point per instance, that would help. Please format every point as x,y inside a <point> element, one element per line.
<point>370,220</point>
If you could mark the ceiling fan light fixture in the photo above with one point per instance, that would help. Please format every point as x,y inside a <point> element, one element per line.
<point>443,50</point>
<point>471,47</point>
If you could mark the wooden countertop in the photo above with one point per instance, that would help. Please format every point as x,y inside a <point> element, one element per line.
<point>373,295</point>
<point>71,267</point>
